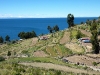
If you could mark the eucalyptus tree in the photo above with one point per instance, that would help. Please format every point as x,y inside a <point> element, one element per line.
<point>70,20</point>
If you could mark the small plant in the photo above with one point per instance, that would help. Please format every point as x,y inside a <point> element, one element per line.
<point>94,63</point>
<point>9,53</point>
<point>79,34</point>
<point>85,68</point>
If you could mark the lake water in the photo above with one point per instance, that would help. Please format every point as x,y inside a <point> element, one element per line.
<point>13,26</point>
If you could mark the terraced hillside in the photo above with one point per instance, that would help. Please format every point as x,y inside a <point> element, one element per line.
<point>60,50</point>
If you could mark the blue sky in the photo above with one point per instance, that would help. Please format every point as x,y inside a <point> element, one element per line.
<point>49,8</point>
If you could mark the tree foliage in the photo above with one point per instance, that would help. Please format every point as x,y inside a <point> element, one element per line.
<point>82,22</point>
<point>7,38</point>
<point>1,39</point>
<point>56,28</point>
<point>53,29</point>
<point>50,29</point>
<point>99,19</point>
<point>88,22</point>
<point>70,20</point>
<point>26,35</point>
<point>94,39</point>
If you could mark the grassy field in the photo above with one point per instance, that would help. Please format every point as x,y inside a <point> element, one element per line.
<point>17,69</point>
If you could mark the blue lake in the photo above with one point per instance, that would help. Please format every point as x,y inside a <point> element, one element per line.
<point>13,26</point>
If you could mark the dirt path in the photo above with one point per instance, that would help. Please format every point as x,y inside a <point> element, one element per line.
<point>82,59</point>
<point>59,67</point>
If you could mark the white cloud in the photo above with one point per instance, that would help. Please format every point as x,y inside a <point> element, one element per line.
<point>5,15</point>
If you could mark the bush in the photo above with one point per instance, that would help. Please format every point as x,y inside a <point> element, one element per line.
<point>13,41</point>
<point>2,58</point>
<point>17,73</point>
<point>94,63</point>
<point>85,68</point>
<point>79,35</point>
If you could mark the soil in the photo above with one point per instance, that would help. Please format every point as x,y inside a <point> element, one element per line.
<point>82,59</point>
<point>65,38</point>
<point>40,54</point>
<point>34,41</point>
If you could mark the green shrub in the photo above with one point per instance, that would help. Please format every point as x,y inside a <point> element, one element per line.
<point>85,68</point>
<point>94,63</point>
<point>79,34</point>
<point>2,58</point>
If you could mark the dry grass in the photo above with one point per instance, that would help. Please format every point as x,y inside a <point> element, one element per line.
<point>74,47</point>
<point>65,38</point>
<point>82,60</point>
<point>40,54</point>
<point>86,32</point>
<point>50,51</point>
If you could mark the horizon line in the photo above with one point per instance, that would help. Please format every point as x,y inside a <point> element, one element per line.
<point>42,17</point>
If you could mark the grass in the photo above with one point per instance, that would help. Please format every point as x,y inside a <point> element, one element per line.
<point>59,51</point>
<point>18,69</point>
<point>65,51</point>
<point>74,33</point>
<point>62,50</point>
<point>42,60</point>
<point>50,51</point>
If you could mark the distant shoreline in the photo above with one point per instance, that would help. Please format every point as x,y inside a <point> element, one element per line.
<point>39,17</point>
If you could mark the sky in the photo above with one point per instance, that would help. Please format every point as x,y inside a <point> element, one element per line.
<point>49,8</point>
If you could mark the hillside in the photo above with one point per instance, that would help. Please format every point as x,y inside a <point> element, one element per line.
<point>61,53</point>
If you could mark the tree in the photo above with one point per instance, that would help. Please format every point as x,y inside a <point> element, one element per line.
<point>88,22</point>
<point>26,35</point>
<point>82,22</point>
<point>56,28</point>
<point>99,19</point>
<point>21,35</point>
<point>7,38</point>
<point>94,37</point>
<point>1,39</point>
<point>33,34</point>
<point>70,20</point>
<point>50,29</point>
